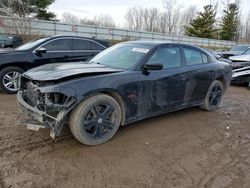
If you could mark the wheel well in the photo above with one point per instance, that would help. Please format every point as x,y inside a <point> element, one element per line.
<point>118,98</point>
<point>19,65</point>
<point>223,81</point>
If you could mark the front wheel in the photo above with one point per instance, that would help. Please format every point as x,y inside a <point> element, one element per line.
<point>213,97</point>
<point>9,79</point>
<point>95,120</point>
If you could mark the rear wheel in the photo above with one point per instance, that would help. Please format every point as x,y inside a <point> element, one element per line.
<point>9,79</point>
<point>95,120</point>
<point>213,97</point>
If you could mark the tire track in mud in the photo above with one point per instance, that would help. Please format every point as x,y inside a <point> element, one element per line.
<point>231,147</point>
<point>218,169</point>
<point>225,170</point>
<point>18,146</point>
<point>2,184</point>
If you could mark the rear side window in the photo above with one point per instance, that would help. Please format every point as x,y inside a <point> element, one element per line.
<point>81,45</point>
<point>58,45</point>
<point>169,57</point>
<point>194,57</point>
<point>96,46</point>
<point>204,58</point>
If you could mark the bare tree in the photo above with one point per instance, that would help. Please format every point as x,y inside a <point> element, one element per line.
<point>143,19</point>
<point>187,16</point>
<point>104,20</point>
<point>153,19</point>
<point>70,18</point>
<point>163,22</point>
<point>172,9</point>
<point>134,18</point>
<point>245,29</point>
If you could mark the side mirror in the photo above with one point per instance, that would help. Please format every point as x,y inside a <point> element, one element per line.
<point>41,51</point>
<point>156,66</point>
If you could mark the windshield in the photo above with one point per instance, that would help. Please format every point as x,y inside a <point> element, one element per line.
<point>31,44</point>
<point>122,56</point>
<point>239,48</point>
<point>247,52</point>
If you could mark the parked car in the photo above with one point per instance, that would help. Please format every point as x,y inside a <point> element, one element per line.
<point>123,84</point>
<point>217,56</point>
<point>10,41</point>
<point>43,51</point>
<point>241,68</point>
<point>236,50</point>
<point>241,76</point>
<point>241,61</point>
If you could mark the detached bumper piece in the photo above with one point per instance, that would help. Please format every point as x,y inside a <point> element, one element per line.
<point>34,125</point>
<point>40,119</point>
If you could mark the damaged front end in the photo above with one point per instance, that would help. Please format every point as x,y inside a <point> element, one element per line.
<point>47,109</point>
<point>241,76</point>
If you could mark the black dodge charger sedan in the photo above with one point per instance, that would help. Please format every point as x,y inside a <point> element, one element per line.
<point>43,51</point>
<point>123,84</point>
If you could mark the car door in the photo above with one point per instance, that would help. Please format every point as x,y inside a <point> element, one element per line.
<point>163,90</point>
<point>200,73</point>
<point>57,50</point>
<point>84,49</point>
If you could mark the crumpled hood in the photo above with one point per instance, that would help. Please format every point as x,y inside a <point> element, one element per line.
<point>62,70</point>
<point>240,58</point>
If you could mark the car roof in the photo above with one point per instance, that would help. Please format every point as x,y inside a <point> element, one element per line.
<point>103,42</point>
<point>155,43</point>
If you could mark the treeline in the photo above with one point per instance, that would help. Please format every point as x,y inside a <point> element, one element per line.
<point>102,20</point>
<point>216,20</point>
<point>210,22</point>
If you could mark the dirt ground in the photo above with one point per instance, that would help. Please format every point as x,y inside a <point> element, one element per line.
<point>189,148</point>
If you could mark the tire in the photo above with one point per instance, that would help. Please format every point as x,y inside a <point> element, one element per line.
<point>213,97</point>
<point>12,72</point>
<point>95,120</point>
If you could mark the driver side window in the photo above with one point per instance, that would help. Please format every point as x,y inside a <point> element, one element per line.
<point>169,57</point>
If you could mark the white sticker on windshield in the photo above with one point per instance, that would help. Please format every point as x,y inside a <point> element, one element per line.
<point>141,50</point>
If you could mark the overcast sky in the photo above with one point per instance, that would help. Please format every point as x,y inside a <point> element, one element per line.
<point>117,8</point>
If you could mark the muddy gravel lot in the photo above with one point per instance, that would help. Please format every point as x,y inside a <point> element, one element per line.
<point>189,148</point>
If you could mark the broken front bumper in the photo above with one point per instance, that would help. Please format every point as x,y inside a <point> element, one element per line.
<point>241,75</point>
<point>40,119</point>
